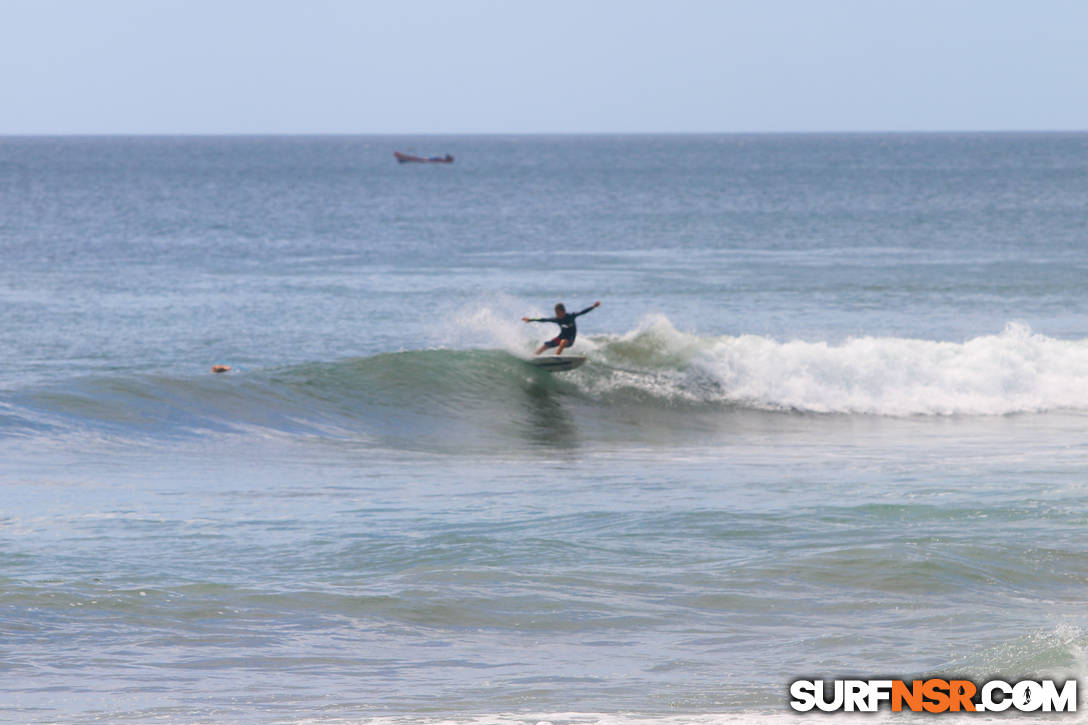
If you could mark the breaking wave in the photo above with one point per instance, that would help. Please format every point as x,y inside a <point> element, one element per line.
<point>651,382</point>
<point>1015,371</point>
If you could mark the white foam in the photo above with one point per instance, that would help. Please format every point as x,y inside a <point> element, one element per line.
<point>497,324</point>
<point>1011,372</point>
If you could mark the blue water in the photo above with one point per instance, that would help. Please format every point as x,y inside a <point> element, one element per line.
<point>831,423</point>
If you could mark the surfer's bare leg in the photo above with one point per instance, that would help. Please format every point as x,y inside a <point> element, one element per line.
<point>540,349</point>
<point>562,345</point>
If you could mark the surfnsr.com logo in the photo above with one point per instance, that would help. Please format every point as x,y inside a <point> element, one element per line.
<point>933,695</point>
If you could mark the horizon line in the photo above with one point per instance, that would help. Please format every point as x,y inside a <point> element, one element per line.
<point>406,134</point>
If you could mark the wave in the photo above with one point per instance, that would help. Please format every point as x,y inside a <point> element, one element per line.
<point>1015,371</point>
<point>652,382</point>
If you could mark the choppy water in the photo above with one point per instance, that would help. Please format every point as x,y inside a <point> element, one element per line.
<point>832,423</point>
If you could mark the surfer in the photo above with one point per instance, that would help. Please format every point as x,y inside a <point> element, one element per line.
<point>567,329</point>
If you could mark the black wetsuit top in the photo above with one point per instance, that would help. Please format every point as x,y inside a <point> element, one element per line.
<point>567,329</point>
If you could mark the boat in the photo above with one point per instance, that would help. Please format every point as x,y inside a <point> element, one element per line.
<point>409,159</point>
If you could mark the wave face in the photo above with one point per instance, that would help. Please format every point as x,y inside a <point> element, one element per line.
<point>652,383</point>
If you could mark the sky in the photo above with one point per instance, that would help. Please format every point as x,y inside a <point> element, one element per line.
<point>541,66</point>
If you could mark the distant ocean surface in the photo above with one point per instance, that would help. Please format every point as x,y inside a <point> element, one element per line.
<point>833,423</point>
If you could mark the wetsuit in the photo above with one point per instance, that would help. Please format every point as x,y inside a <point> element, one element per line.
<point>567,329</point>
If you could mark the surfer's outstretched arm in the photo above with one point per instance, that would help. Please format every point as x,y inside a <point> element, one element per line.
<point>540,319</point>
<point>592,307</point>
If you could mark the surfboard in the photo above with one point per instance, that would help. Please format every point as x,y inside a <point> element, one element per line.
<point>557,363</point>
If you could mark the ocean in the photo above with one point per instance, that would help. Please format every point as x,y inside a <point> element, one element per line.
<point>832,424</point>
